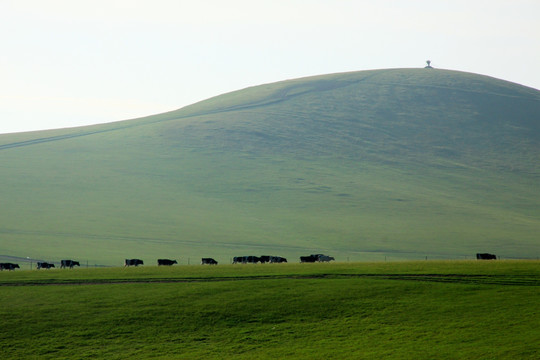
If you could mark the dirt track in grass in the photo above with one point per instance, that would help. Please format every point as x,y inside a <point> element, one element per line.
<point>510,280</point>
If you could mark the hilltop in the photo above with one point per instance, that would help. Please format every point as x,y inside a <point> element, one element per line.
<point>399,163</point>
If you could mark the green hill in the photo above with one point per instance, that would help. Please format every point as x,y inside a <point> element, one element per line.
<point>403,163</point>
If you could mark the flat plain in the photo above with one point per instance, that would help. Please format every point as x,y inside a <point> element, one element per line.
<point>396,310</point>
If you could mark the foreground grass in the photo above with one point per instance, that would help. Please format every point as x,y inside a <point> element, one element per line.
<point>462,271</point>
<point>292,311</point>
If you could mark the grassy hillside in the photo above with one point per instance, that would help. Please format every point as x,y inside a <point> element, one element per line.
<point>402,163</point>
<point>402,310</point>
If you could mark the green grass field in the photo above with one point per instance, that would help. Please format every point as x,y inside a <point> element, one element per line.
<point>397,164</point>
<point>395,310</point>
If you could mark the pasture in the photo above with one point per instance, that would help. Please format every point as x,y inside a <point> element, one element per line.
<point>398,310</point>
<point>398,163</point>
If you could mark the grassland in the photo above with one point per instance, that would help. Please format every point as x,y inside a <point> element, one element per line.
<point>397,310</point>
<point>401,164</point>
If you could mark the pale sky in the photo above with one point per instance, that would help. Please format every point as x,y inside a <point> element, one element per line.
<point>66,63</point>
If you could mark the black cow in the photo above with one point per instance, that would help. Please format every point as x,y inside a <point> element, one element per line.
<point>9,266</point>
<point>133,262</point>
<point>246,259</point>
<point>68,263</point>
<point>44,265</point>
<point>264,259</point>
<point>166,262</point>
<point>277,259</point>
<point>485,256</point>
<point>309,259</point>
<point>208,261</point>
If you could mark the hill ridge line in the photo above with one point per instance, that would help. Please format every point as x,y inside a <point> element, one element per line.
<point>283,96</point>
<point>278,96</point>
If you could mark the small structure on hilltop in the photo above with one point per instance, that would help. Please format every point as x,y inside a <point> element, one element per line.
<point>428,62</point>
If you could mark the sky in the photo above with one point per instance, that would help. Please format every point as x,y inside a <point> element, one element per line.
<point>67,63</point>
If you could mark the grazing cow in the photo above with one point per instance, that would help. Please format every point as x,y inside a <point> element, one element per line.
<point>309,259</point>
<point>44,265</point>
<point>325,258</point>
<point>485,256</point>
<point>265,258</point>
<point>166,262</point>
<point>208,261</point>
<point>133,262</point>
<point>8,266</point>
<point>277,259</point>
<point>68,263</point>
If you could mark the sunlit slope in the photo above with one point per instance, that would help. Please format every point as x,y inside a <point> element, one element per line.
<point>398,163</point>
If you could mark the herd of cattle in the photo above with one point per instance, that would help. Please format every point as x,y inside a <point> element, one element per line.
<point>209,261</point>
<point>251,259</point>
<point>41,265</point>
<point>167,262</point>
